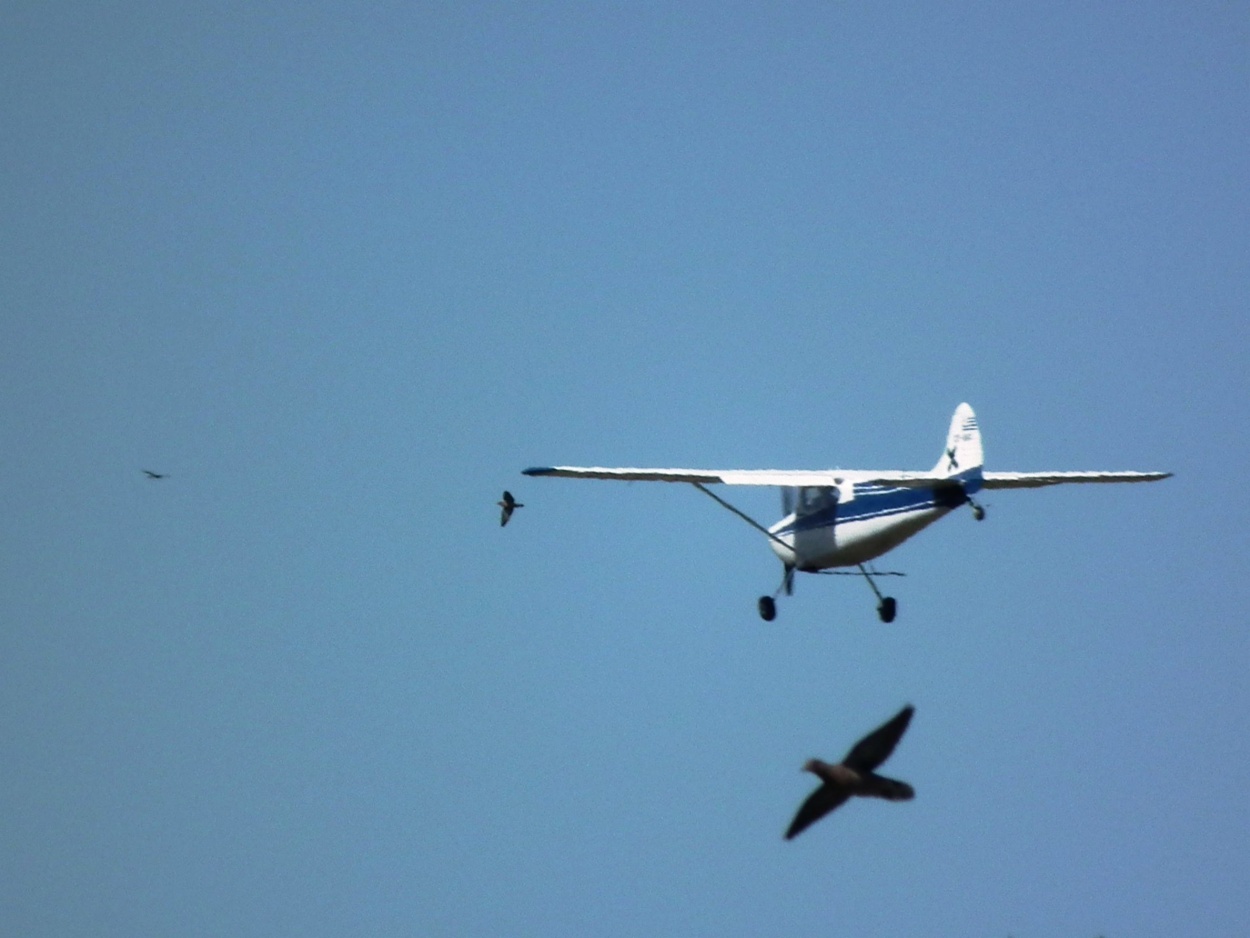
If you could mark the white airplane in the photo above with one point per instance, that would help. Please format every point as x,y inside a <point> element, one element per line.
<point>848,517</point>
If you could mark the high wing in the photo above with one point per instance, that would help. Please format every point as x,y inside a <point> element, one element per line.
<point>825,477</point>
<point>1032,480</point>
<point>835,477</point>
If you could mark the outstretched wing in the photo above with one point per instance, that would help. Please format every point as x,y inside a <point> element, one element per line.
<point>1032,480</point>
<point>819,803</point>
<point>876,747</point>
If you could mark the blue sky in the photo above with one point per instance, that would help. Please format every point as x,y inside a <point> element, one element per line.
<point>343,272</point>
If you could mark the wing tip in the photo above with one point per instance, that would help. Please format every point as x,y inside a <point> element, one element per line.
<point>538,471</point>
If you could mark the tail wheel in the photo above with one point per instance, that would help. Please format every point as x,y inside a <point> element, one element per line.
<point>768,608</point>
<point>887,609</point>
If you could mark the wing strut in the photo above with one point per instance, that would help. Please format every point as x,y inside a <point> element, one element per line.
<point>741,514</point>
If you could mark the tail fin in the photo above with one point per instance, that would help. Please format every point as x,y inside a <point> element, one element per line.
<point>963,444</point>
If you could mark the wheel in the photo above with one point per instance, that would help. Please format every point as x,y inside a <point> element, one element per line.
<point>768,608</point>
<point>887,609</point>
<point>978,512</point>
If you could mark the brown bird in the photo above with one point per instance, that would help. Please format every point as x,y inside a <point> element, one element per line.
<point>855,775</point>
<point>509,504</point>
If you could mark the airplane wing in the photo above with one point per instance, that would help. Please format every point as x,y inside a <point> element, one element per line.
<point>797,477</point>
<point>834,477</point>
<point>1031,480</point>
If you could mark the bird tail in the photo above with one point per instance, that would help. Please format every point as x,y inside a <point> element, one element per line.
<point>890,789</point>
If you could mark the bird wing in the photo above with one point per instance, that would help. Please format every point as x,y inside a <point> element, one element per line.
<point>819,803</point>
<point>876,747</point>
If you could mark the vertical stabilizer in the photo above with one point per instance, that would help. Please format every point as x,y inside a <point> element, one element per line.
<point>963,444</point>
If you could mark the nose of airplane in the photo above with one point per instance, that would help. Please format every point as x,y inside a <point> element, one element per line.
<point>783,544</point>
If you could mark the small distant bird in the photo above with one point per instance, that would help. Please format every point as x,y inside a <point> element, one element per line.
<point>509,505</point>
<point>154,475</point>
<point>855,775</point>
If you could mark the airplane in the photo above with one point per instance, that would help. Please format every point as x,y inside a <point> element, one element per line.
<point>848,517</point>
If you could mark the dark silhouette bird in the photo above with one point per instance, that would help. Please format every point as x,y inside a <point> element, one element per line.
<point>154,475</point>
<point>855,775</point>
<point>509,505</point>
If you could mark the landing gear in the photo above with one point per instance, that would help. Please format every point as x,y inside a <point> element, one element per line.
<point>887,606</point>
<point>978,511</point>
<point>768,604</point>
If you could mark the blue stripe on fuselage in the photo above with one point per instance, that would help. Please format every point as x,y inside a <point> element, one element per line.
<point>875,501</point>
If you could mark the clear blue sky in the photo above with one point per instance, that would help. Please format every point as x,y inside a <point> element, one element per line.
<point>343,271</point>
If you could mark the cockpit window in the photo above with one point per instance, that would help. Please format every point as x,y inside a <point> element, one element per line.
<point>816,498</point>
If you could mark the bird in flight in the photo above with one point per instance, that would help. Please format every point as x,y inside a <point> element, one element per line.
<point>155,475</point>
<point>509,504</point>
<point>855,775</point>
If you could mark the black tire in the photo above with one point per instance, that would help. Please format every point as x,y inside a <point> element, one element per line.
<point>888,609</point>
<point>768,608</point>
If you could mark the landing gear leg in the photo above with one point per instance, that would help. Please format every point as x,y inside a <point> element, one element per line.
<point>768,604</point>
<point>887,606</point>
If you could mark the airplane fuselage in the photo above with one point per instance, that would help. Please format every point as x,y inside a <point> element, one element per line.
<point>844,533</point>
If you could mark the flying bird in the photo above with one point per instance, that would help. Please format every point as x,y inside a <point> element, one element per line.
<point>509,505</point>
<point>155,475</point>
<point>855,775</point>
